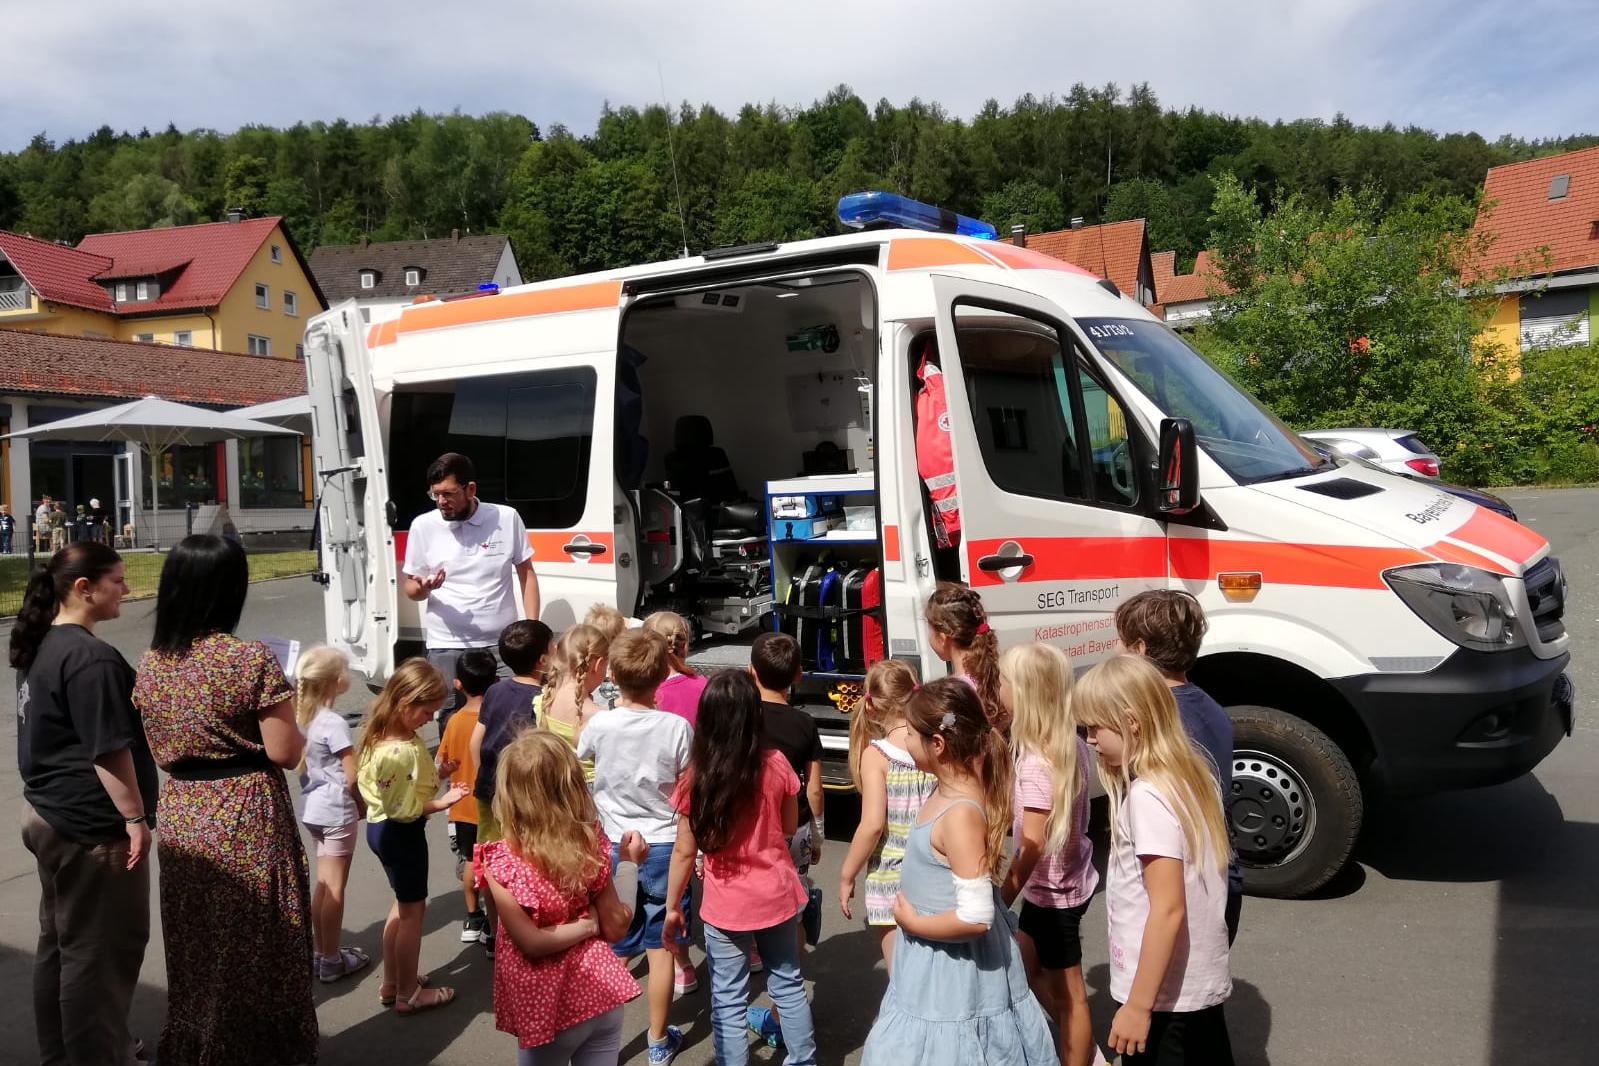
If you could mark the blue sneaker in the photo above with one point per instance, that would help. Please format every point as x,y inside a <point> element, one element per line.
<point>666,1050</point>
<point>763,1025</point>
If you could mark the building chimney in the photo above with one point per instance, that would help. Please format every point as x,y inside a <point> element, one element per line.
<point>235,214</point>
<point>1018,235</point>
<point>1077,223</point>
<point>455,235</point>
<point>364,240</point>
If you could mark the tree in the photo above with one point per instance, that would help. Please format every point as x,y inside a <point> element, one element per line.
<point>1024,203</point>
<point>246,185</point>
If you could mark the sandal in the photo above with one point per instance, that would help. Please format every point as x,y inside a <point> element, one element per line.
<point>350,960</point>
<point>386,992</point>
<point>417,1002</point>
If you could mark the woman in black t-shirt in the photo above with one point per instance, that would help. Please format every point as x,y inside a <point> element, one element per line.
<point>90,787</point>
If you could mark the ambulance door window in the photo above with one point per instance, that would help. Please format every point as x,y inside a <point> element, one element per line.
<point>1109,444</point>
<point>1018,384</point>
<point>549,428</point>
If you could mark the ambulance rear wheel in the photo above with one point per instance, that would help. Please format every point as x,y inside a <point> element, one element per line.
<point>1295,809</point>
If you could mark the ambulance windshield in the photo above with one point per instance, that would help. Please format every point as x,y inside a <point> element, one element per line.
<point>1244,438</point>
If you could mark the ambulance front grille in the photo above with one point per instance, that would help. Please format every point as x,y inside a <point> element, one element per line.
<point>1546,595</point>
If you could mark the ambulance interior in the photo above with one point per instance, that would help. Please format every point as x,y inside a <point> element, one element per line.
<point>746,464</point>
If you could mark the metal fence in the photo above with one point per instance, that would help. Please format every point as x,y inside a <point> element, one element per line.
<point>28,544</point>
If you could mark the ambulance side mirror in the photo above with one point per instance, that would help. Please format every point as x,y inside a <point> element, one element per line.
<point>1177,488</point>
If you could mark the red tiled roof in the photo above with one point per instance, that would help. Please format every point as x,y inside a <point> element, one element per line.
<point>1111,250</point>
<point>1164,265</point>
<point>216,252</point>
<point>57,364</point>
<point>1518,211</point>
<point>1196,285</point>
<point>56,272</point>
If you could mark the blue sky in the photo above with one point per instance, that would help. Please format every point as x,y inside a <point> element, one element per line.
<point>1526,69</point>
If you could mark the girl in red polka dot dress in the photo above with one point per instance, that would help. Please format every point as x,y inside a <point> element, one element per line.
<point>558,987</point>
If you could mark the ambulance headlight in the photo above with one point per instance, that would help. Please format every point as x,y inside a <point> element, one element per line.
<point>1467,606</point>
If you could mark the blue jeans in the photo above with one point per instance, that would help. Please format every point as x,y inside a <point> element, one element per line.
<point>730,991</point>
<point>649,905</point>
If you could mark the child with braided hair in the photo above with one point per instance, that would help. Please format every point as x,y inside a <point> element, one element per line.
<point>680,692</point>
<point>566,704</point>
<point>959,633</point>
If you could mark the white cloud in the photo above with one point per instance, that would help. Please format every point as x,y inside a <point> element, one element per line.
<point>74,66</point>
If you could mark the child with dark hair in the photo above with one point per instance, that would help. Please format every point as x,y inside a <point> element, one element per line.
<point>639,753</point>
<point>958,991</point>
<point>1166,626</point>
<point>475,671</point>
<point>739,800</point>
<point>958,630</point>
<point>506,710</point>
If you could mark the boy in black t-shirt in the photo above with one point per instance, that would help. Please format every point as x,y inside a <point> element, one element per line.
<point>775,666</point>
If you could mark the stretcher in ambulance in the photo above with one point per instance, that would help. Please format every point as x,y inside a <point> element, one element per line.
<point>734,436</point>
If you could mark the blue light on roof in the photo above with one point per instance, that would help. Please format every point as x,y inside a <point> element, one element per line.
<point>488,287</point>
<point>861,210</point>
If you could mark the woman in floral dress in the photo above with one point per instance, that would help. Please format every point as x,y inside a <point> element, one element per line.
<point>235,884</point>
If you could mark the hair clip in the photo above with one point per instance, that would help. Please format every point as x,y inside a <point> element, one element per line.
<point>982,627</point>
<point>945,722</point>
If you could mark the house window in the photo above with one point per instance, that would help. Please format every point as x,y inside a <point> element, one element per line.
<point>369,279</point>
<point>1559,185</point>
<point>144,338</point>
<point>291,304</point>
<point>183,338</point>
<point>263,298</point>
<point>122,292</point>
<point>260,345</point>
<point>1557,318</point>
<point>277,253</point>
<point>413,276</point>
<point>270,472</point>
<point>299,352</point>
<point>141,290</point>
<point>187,474</point>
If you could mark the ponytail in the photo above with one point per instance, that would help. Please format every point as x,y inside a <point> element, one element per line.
<point>956,612</point>
<point>889,683</point>
<point>47,590</point>
<point>996,772</point>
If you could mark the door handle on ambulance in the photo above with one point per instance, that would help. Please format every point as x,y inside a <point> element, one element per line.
<point>991,563</point>
<point>583,548</point>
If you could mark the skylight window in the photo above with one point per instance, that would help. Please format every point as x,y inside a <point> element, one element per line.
<point>1559,185</point>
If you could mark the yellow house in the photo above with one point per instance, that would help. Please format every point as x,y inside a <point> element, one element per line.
<point>237,286</point>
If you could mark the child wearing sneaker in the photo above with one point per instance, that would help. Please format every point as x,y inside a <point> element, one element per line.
<point>739,799</point>
<point>639,753</point>
<point>330,804</point>
<point>474,673</point>
<point>557,986</point>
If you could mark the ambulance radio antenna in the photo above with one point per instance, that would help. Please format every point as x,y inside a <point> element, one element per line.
<point>671,151</point>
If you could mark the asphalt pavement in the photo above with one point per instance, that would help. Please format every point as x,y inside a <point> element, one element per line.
<point>1466,933</point>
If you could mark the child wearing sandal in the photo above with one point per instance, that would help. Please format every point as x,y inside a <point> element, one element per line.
<point>400,782</point>
<point>892,790</point>
<point>558,987</point>
<point>330,803</point>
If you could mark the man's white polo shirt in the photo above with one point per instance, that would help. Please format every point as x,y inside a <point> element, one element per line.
<point>479,555</point>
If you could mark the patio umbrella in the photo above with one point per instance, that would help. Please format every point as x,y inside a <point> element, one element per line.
<point>155,425</point>
<point>292,413</point>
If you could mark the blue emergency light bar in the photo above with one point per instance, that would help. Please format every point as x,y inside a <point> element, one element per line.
<point>865,210</point>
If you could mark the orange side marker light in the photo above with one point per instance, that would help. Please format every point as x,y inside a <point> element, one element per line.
<point>1238,588</point>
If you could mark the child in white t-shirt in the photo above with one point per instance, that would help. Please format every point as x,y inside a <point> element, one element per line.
<point>1166,877</point>
<point>330,805</point>
<point>639,753</point>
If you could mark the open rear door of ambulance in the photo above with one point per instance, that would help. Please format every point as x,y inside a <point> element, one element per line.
<point>352,489</point>
<point>1051,473</point>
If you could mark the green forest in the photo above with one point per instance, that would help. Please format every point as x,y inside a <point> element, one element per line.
<point>646,183</point>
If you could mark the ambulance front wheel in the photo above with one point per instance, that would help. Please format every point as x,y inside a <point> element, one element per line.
<point>1295,809</point>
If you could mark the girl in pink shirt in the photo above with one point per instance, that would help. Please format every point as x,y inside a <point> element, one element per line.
<point>1053,866</point>
<point>1166,894</point>
<point>739,802</point>
<point>559,988</point>
<point>680,692</point>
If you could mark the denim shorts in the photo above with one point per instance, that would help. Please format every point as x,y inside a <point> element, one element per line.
<point>649,906</point>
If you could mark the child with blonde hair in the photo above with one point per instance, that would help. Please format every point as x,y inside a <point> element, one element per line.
<point>400,782</point>
<point>1166,894</point>
<point>558,987</point>
<point>959,633</point>
<point>1052,868</point>
<point>639,753</point>
<point>330,803</point>
<point>958,991</point>
<point>611,623</point>
<point>566,705</point>
<point>892,790</point>
<point>679,694</point>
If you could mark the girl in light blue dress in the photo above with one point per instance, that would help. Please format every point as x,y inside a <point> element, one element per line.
<point>958,992</point>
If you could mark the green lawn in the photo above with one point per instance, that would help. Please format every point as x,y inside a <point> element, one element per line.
<point>144,571</point>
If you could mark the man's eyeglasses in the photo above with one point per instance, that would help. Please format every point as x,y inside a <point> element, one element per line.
<point>448,494</point>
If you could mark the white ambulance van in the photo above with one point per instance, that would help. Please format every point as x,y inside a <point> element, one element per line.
<point>732,436</point>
